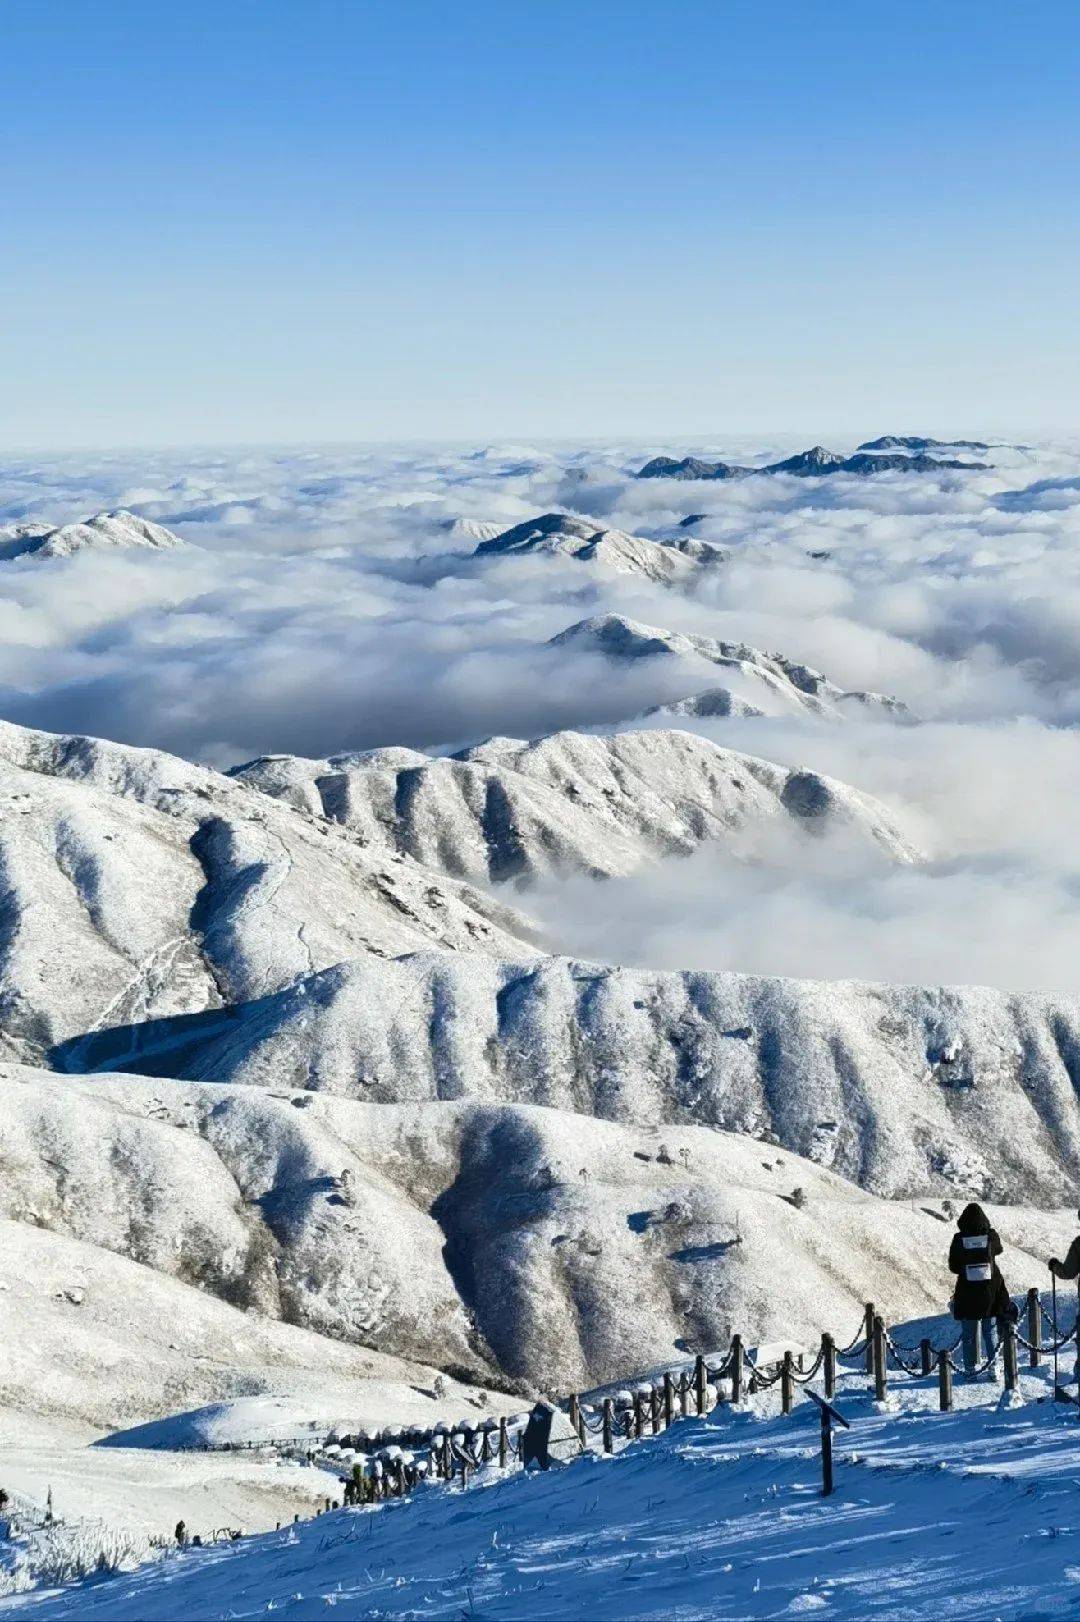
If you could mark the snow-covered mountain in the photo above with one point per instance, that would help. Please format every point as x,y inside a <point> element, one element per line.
<point>766,683</point>
<point>136,884</point>
<point>572,802</point>
<point>105,532</point>
<point>901,1089</point>
<point>567,535</point>
<point>495,1240</point>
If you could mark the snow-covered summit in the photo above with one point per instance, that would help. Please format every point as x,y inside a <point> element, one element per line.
<point>567,535</point>
<point>769,682</point>
<point>105,532</point>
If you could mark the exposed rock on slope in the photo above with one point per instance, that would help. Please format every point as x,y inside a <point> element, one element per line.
<point>134,884</point>
<point>557,1249</point>
<point>106,532</point>
<point>565,535</point>
<point>902,1089</point>
<point>767,682</point>
<point>571,802</point>
<point>917,442</point>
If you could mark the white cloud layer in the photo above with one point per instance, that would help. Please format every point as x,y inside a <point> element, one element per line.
<point>327,605</point>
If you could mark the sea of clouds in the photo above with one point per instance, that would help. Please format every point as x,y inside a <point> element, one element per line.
<point>325,603</point>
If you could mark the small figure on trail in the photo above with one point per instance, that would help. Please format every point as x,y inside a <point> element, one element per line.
<point>980,1296</point>
<point>180,1534</point>
<point>1069,1269</point>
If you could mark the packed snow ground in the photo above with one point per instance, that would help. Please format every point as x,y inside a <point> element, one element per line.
<point>970,1516</point>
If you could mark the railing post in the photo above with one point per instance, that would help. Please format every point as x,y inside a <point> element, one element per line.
<point>868,1330</point>
<point>926,1357</point>
<point>639,1415</point>
<point>1011,1380</point>
<point>701,1384</point>
<point>1034,1327</point>
<point>878,1344</point>
<point>575,1414</point>
<point>787,1383</point>
<point>684,1393</point>
<point>828,1363</point>
<point>485,1445</point>
<point>669,1399</point>
<point>609,1422</point>
<point>944,1365</point>
<point>654,1410</point>
<point>399,1476</point>
<point>504,1443</point>
<point>736,1368</point>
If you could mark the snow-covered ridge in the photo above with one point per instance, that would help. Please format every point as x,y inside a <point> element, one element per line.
<point>105,532</point>
<point>817,462</point>
<point>901,1089</point>
<point>498,1240</point>
<point>767,683</point>
<point>135,884</point>
<point>568,535</point>
<point>573,802</point>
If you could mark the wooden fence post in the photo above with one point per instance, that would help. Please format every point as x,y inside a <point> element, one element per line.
<point>736,1358</point>
<point>868,1330</point>
<point>828,1363</point>
<point>504,1443</point>
<point>654,1410</point>
<point>684,1393</point>
<point>485,1445</point>
<point>639,1415</point>
<point>609,1423</point>
<point>575,1414</point>
<point>701,1384</point>
<point>926,1355</point>
<point>1011,1380</point>
<point>944,1364</point>
<point>1034,1327</point>
<point>669,1399</point>
<point>879,1359</point>
<point>787,1382</point>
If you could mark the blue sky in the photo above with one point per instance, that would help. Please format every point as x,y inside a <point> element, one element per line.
<point>253,221</point>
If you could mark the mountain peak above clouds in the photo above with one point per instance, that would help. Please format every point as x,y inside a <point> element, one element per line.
<point>585,540</point>
<point>817,462</point>
<point>105,532</point>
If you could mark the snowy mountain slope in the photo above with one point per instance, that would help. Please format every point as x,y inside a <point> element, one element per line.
<point>136,884</point>
<point>501,1241</point>
<point>935,1516</point>
<point>817,462</point>
<point>105,532</point>
<point>767,681</point>
<point>903,1089</point>
<point>571,802</point>
<point>94,1340</point>
<point>568,535</point>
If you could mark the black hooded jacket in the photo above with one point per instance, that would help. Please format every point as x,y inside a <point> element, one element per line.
<point>980,1289</point>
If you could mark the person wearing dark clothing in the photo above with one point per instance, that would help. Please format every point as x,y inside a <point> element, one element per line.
<point>980,1296</point>
<point>1069,1269</point>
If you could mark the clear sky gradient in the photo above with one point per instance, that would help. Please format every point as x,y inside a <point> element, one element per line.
<point>245,220</point>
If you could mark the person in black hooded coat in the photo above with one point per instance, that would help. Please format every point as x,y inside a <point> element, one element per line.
<point>980,1296</point>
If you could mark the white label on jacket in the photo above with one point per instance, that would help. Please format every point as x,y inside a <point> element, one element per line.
<point>976,1241</point>
<point>977,1272</point>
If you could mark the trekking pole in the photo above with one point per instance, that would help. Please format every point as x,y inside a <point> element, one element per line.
<point>1053,1292</point>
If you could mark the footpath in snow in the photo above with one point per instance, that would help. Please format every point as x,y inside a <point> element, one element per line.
<point>974,1514</point>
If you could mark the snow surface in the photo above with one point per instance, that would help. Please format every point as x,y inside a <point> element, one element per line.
<point>105,532</point>
<point>573,802</point>
<point>970,1516</point>
<point>769,683</point>
<point>903,1089</point>
<point>567,535</point>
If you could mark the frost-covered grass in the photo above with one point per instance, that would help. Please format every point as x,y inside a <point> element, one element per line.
<point>971,1515</point>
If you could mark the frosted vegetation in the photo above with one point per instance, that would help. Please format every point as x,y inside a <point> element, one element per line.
<point>481,923</point>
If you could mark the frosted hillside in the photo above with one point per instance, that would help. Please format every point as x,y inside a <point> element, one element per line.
<point>105,532</point>
<point>966,1515</point>
<point>511,810</point>
<point>566,535</point>
<point>136,885</point>
<point>901,1089</point>
<point>768,683</point>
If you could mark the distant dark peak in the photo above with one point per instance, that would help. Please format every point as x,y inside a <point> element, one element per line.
<point>864,464</point>
<point>691,467</point>
<point>809,463</point>
<point>917,442</point>
<point>691,519</point>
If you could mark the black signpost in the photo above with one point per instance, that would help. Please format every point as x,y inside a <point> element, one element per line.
<point>829,1415</point>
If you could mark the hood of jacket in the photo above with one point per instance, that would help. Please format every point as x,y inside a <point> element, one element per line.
<point>973,1219</point>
